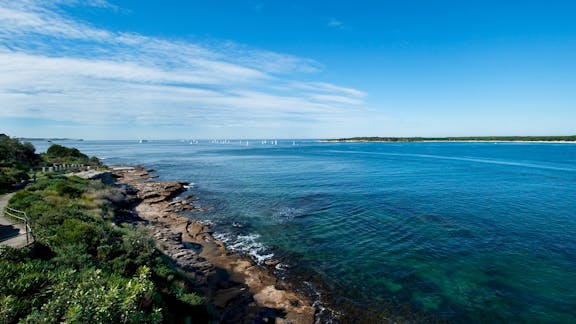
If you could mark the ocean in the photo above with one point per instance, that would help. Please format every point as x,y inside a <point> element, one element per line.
<point>457,232</point>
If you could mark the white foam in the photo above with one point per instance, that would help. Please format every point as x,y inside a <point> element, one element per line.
<point>246,244</point>
<point>323,313</point>
<point>206,222</point>
<point>188,186</point>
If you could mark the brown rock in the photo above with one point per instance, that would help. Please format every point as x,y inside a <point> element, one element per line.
<point>196,229</point>
<point>271,262</point>
<point>239,290</point>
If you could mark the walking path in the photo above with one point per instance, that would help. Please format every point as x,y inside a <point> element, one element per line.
<point>11,233</point>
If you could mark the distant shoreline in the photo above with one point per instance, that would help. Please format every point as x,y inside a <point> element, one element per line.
<point>439,141</point>
<point>47,139</point>
<point>490,139</point>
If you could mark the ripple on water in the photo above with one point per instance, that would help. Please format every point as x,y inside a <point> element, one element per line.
<point>469,232</point>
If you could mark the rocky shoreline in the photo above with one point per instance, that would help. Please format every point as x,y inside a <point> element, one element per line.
<point>236,289</point>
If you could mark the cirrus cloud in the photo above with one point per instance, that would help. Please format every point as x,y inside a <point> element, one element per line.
<point>56,68</point>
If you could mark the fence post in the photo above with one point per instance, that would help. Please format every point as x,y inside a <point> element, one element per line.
<point>13,213</point>
<point>27,231</point>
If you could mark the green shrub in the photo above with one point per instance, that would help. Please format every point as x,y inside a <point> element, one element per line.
<point>23,199</point>
<point>8,308</point>
<point>56,150</point>
<point>95,296</point>
<point>10,176</point>
<point>15,154</point>
<point>84,268</point>
<point>60,154</point>
<point>16,159</point>
<point>71,187</point>
<point>73,231</point>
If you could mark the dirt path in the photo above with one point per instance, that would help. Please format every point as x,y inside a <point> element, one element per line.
<point>11,234</point>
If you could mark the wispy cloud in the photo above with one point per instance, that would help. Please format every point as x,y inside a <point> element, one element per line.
<point>57,68</point>
<point>335,23</point>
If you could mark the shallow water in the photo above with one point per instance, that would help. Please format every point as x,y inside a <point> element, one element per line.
<point>466,232</point>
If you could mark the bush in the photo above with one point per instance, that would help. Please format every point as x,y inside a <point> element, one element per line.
<point>15,154</point>
<point>23,287</point>
<point>85,268</point>
<point>10,176</point>
<point>59,151</point>
<point>16,159</point>
<point>60,154</point>
<point>95,296</point>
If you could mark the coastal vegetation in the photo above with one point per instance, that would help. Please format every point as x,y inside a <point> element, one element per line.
<point>64,155</point>
<point>16,159</point>
<point>461,139</point>
<point>90,260</point>
<point>19,160</point>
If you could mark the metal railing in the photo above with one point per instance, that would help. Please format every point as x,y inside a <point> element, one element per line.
<point>20,216</point>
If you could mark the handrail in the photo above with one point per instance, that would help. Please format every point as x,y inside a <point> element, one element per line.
<point>11,212</point>
<point>15,210</point>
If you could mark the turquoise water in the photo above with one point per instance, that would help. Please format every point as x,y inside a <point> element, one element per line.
<point>465,232</point>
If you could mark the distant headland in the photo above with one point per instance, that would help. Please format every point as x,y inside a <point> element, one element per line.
<point>36,139</point>
<point>537,139</point>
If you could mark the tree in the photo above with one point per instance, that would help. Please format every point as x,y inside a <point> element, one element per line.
<point>60,154</point>
<point>16,159</point>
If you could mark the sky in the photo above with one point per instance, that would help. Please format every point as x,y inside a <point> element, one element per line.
<point>175,69</point>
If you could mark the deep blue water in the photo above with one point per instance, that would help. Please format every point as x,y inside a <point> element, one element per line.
<point>467,232</point>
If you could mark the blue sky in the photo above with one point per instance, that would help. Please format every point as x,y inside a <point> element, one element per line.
<point>101,69</point>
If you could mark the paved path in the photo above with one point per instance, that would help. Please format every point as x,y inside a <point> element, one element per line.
<point>11,234</point>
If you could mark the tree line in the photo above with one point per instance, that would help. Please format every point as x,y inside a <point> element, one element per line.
<point>571,138</point>
<point>17,159</point>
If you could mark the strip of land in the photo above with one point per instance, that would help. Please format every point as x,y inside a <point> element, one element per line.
<point>535,139</point>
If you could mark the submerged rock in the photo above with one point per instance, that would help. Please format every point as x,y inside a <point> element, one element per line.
<point>238,289</point>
